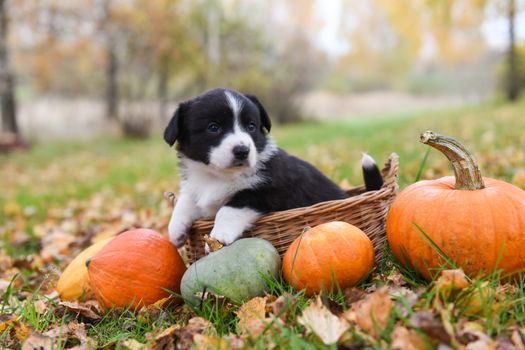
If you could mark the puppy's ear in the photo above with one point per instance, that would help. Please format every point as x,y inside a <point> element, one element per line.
<point>171,133</point>
<point>265,119</point>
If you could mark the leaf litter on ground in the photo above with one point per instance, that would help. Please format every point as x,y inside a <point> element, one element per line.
<point>324,324</point>
<point>42,234</point>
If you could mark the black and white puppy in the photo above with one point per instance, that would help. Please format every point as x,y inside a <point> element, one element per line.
<point>233,171</point>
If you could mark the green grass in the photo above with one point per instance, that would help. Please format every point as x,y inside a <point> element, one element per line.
<point>57,181</point>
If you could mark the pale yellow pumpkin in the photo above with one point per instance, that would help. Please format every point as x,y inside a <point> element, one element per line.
<point>74,281</point>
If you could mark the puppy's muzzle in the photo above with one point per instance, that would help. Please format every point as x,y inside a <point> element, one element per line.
<point>241,152</point>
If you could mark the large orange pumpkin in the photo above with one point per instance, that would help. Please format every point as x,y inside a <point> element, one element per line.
<point>330,255</point>
<point>138,267</point>
<point>478,223</point>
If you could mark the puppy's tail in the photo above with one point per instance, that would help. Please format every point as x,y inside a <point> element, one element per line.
<point>371,173</point>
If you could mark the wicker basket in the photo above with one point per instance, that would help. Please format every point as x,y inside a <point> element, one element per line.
<point>366,210</point>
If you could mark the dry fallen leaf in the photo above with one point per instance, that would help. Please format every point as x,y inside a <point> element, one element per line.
<point>78,331</point>
<point>170,301</point>
<point>405,339</point>
<point>405,298</point>
<point>430,325</point>
<point>481,344</point>
<point>6,320</point>
<point>517,340</point>
<point>447,319</point>
<point>503,342</point>
<point>212,243</point>
<point>90,309</point>
<point>482,297</point>
<point>71,331</point>
<point>12,209</point>
<point>353,295</point>
<point>282,304</point>
<point>4,284</point>
<point>251,316</point>
<point>157,309</point>
<point>37,341</point>
<point>372,313</point>
<point>57,331</point>
<point>210,342</point>
<point>167,339</point>
<point>200,325</point>
<point>319,320</point>
<point>396,278</point>
<point>196,325</point>
<point>132,344</point>
<point>213,342</point>
<point>56,245</point>
<point>19,238</point>
<point>235,341</point>
<point>22,331</point>
<point>177,337</point>
<point>471,334</point>
<point>6,262</point>
<point>40,306</point>
<point>449,281</point>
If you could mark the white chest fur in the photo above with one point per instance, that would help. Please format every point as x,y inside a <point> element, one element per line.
<point>211,190</point>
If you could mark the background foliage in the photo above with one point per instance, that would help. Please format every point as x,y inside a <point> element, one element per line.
<point>130,51</point>
<point>370,76</point>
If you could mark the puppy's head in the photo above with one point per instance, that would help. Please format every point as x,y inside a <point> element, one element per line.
<point>221,128</point>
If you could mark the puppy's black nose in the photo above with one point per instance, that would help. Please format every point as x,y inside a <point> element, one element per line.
<point>241,152</point>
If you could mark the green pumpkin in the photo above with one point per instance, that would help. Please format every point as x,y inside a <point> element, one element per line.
<point>237,272</point>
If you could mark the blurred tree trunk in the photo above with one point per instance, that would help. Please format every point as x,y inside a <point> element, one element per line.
<point>512,82</point>
<point>107,29</point>
<point>162,89</point>
<point>7,82</point>
<point>214,44</point>
<point>111,82</point>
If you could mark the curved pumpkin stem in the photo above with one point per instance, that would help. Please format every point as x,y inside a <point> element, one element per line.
<point>466,170</point>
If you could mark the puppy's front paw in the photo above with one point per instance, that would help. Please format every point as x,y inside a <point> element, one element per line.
<point>179,239</point>
<point>226,238</point>
<point>230,223</point>
<point>177,236</point>
<point>177,232</point>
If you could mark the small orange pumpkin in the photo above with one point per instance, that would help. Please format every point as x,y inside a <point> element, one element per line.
<point>478,223</point>
<point>136,268</point>
<point>330,255</point>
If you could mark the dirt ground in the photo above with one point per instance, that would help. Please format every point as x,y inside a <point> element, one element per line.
<point>325,105</point>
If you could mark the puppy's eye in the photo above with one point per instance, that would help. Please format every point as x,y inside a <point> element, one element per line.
<point>214,127</point>
<point>251,127</point>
